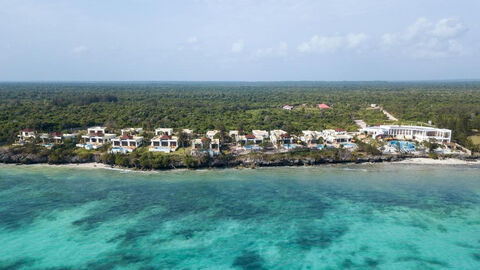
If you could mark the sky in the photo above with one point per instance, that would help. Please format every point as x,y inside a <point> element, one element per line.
<point>242,40</point>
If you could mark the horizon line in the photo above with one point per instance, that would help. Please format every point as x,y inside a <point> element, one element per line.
<point>234,81</point>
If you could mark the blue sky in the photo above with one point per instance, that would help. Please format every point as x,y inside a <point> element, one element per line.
<point>202,40</point>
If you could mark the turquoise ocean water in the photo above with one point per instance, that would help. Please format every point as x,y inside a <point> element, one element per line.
<point>387,216</point>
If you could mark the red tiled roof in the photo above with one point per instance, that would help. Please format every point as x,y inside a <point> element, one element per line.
<point>250,136</point>
<point>56,134</point>
<point>323,106</point>
<point>285,135</point>
<point>126,137</point>
<point>165,137</point>
<point>27,130</point>
<point>339,129</point>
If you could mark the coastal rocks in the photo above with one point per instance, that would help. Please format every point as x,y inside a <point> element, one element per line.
<point>7,156</point>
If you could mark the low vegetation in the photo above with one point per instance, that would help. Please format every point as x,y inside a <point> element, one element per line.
<point>242,106</point>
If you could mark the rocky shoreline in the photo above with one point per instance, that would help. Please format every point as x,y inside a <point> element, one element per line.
<point>241,161</point>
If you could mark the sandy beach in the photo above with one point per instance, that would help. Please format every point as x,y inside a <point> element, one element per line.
<point>429,161</point>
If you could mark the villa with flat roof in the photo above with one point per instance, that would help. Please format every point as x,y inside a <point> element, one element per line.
<point>163,131</point>
<point>131,131</point>
<point>310,138</point>
<point>281,138</point>
<point>96,137</point>
<point>211,133</point>
<point>417,133</point>
<point>126,144</point>
<point>164,143</point>
<point>249,139</point>
<point>26,134</point>
<point>199,146</point>
<point>215,146</point>
<point>262,133</point>
<point>187,131</point>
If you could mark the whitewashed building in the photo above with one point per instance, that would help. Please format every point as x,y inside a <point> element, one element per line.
<point>96,137</point>
<point>211,134</point>
<point>262,133</point>
<point>164,143</point>
<point>417,133</point>
<point>163,131</point>
<point>126,143</point>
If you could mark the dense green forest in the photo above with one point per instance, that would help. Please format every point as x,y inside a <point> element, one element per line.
<point>236,105</point>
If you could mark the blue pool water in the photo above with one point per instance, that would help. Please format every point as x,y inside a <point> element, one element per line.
<point>252,147</point>
<point>388,216</point>
<point>404,145</point>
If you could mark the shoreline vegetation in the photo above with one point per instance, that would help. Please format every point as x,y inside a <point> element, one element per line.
<point>151,162</point>
<point>325,122</point>
<point>405,161</point>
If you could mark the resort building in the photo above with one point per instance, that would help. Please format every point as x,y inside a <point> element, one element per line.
<point>26,134</point>
<point>187,131</point>
<point>262,133</point>
<point>131,131</point>
<point>55,138</point>
<point>281,138</point>
<point>126,143</point>
<point>336,136</point>
<point>417,133</point>
<point>310,138</point>
<point>199,146</point>
<point>214,147</point>
<point>163,131</point>
<point>249,139</point>
<point>212,133</point>
<point>339,138</point>
<point>233,134</point>
<point>95,138</point>
<point>164,143</point>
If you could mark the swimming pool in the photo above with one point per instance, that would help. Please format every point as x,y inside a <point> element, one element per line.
<point>404,145</point>
<point>349,145</point>
<point>252,147</point>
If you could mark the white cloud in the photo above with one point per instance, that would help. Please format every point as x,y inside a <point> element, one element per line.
<point>448,28</point>
<point>426,39</point>
<point>80,49</point>
<point>192,40</point>
<point>328,44</point>
<point>355,40</point>
<point>238,46</point>
<point>280,50</point>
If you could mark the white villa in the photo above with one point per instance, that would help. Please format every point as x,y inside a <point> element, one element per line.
<point>233,134</point>
<point>249,139</point>
<point>198,145</point>
<point>187,131</point>
<point>417,133</point>
<point>96,137</point>
<point>131,131</point>
<point>281,138</point>
<point>163,131</point>
<point>164,143</point>
<point>262,133</point>
<point>212,133</point>
<point>126,143</point>
<point>311,137</point>
<point>56,137</point>
<point>26,134</point>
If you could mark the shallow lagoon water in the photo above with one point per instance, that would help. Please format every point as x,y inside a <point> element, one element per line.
<point>386,216</point>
